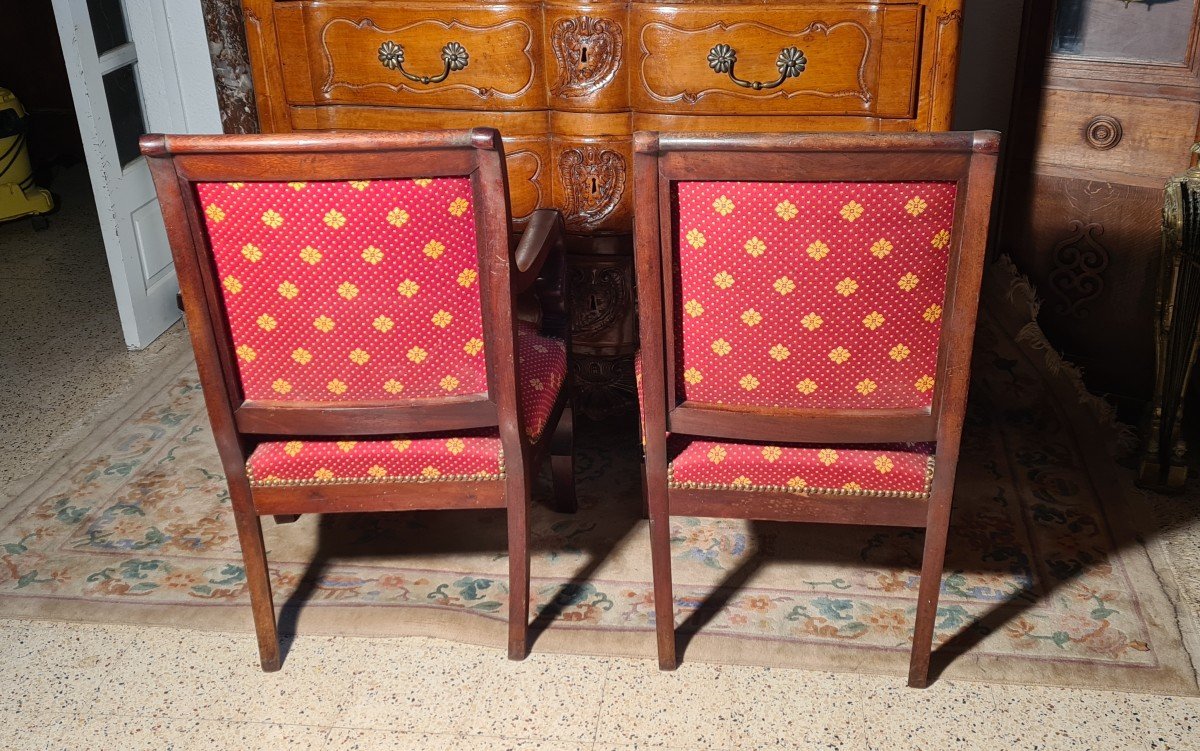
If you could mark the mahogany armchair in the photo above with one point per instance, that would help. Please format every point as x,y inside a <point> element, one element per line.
<point>808,306</point>
<point>352,302</point>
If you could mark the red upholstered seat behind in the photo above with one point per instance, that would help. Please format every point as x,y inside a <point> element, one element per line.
<point>811,295</point>
<point>341,291</point>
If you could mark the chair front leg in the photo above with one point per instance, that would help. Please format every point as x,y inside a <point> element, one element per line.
<point>660,560</point>
<point>519,496</point>
<point>258,577</point>
<point>932,563</point>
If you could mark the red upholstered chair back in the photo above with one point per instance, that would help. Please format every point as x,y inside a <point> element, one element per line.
<point>810,295</point>
<point>809,288</point>
<point>350,284</point>
<point>350,290</point>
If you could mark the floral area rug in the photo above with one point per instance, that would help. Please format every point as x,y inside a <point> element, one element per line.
<point>1046,580</point>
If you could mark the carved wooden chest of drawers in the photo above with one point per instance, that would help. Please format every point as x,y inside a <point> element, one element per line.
<point>568,83</point>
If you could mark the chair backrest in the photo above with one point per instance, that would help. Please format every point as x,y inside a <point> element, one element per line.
<point>345,284</point>
<point>811,287</point>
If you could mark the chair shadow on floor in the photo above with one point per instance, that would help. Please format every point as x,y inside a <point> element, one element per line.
<point>395,537</point>
<point>1044,578</point>
<point>405,536</point>
<point>831,555</point>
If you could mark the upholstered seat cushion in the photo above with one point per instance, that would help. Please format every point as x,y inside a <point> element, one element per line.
<point>852,470</point>
<point>442,457</point>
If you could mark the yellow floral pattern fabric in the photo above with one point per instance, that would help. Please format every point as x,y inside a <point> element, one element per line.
<point>811,295</point>
<point>854,470</point>
<point>349,291</point>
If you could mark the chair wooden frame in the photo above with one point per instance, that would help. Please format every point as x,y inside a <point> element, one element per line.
<point>968,159</point>
<point>506,270</point>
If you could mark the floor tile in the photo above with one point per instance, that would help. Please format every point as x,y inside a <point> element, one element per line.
<point>38,730</point>
<point>402,689</point>
<point>369,739</point>
<point>347,739</point>
<point>1055,719</point>
<point>554,697</point>
<point>795,709</point>
<point>56,667</point>
<point>689,707</point>
<point>157,734</point>
<point>196,675</point>
<point>946,715</point>
<point>1172,722</point>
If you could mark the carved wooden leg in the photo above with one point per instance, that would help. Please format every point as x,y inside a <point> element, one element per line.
<point>660,559</point>
<point>286,518</point>
<point>562,463</point>
<point>518,492</point>
<point>258,578</point>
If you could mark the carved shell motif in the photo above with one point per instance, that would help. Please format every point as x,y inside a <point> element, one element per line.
<point>588,51</point>
<point>595,181</point>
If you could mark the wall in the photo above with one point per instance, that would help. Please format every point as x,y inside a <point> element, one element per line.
<point>987,68</point>
<point>32,67</point>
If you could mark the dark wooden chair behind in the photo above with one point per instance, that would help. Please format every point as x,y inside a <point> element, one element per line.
<point>808,306</point>
<point>352,301</point>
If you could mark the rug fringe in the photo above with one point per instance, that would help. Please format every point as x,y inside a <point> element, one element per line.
<point>1021,293</point>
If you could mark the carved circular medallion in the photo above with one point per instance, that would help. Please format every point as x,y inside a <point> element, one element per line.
<point>1103,132</point>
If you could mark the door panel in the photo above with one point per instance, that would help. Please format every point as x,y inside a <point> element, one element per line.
<point>117,99</point>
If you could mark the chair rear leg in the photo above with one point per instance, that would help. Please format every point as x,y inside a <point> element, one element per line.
<point>645,493</point>
<point>258,581</point>
<point>518,492</point>
<point>562,463</point>
<point>932,563</point>
<point>286,518</point>
<point>660,559</point>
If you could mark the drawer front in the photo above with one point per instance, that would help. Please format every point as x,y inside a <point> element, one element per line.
<point>411,55</point>
<point>785,59</point>
<point>1120,136</point>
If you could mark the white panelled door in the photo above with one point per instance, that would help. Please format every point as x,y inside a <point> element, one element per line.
<point>136,66</point>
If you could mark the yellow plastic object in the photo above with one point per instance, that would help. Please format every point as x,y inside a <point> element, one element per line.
<point>18,195</point>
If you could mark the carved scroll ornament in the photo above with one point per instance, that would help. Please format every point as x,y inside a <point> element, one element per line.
<point>588,51</point>
<point>594,178</point>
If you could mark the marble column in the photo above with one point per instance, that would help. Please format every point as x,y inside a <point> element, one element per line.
<point>231,65</point>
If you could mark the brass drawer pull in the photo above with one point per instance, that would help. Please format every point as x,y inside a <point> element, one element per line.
<point>791,63</point>
<point>454,56</point>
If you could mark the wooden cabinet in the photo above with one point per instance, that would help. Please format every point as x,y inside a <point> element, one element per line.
<point>568,82</point>
<point>1107,109</point>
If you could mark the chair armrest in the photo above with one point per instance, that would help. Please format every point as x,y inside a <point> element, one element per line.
<point>543,234</point>
<point>540,263</point>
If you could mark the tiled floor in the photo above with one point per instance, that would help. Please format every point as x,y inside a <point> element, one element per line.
<point>68,686</point>
<point>62,357</point>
